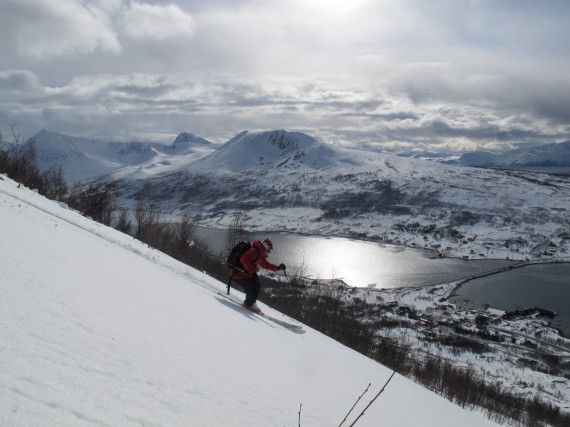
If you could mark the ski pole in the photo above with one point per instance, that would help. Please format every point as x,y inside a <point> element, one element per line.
<point>191,243</point>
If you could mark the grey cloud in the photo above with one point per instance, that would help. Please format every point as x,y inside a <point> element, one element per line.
<point>19,81</point>
<point>397,115</point>
<point>507,96</point>
<point>43,28</point>
<point>170,104</point>
<point>160,22</point>
<point>553,105</point>
<point>440,129</point>
<point>383,72</point>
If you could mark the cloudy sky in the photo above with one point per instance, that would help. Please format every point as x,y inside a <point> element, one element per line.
<point>390,74</point>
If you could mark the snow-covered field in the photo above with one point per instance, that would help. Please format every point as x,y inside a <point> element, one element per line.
<point>98,329</point>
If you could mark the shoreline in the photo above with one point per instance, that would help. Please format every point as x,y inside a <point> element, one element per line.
<point>501,270</point>
<point>463,282</point>
<point>438,254</point>
<point>428,253</point>
<point>461,254</point>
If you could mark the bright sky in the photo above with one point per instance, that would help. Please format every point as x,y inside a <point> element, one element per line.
<point>405,74</point>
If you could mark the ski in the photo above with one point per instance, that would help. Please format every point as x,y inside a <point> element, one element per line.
<point>298,329</point>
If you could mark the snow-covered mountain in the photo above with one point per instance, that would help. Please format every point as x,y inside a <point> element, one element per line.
<point>186,142</point>
<point>84,159</point>
<point>478,158</point>
<point>126,336</point>
<point>547,155</point>
<point>290,181</point>
<point>279,149</point>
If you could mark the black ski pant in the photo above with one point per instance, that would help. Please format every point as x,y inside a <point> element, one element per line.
<point>251,288</point>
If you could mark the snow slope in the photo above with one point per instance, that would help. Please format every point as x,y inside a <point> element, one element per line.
<point>98,329</point>
<point>84,159</point>
<point>274,150</point>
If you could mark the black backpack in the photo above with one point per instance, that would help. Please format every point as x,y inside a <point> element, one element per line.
<point>236,253</point>
<point>234,260</point>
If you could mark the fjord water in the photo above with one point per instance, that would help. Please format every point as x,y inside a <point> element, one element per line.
<point>360,263</point>
<point>545,285</point>
<point>368,264</point>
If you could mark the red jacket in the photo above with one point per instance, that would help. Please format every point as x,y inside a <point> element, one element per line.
<point>254,257</point>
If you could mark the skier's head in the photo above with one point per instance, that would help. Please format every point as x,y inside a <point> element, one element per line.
<point>267,244</point>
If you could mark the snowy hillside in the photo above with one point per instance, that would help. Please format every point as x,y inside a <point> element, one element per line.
<point>277,149</point>
<point>84,159</point>
<point>98,329</point>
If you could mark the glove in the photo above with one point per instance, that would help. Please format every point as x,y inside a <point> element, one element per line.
<point>282,267</point>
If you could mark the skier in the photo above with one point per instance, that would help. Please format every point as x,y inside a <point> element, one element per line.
<point>254,257</point>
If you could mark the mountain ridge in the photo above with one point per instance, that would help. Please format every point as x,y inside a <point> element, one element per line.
<point>547,155</point>
<point>86,159</point>
<point>281,180</point>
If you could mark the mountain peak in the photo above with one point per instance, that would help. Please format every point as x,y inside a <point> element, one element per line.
<point>269,149</point>
<point>279,138</point>
<point>186,139</point>
<point>286,140</point>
